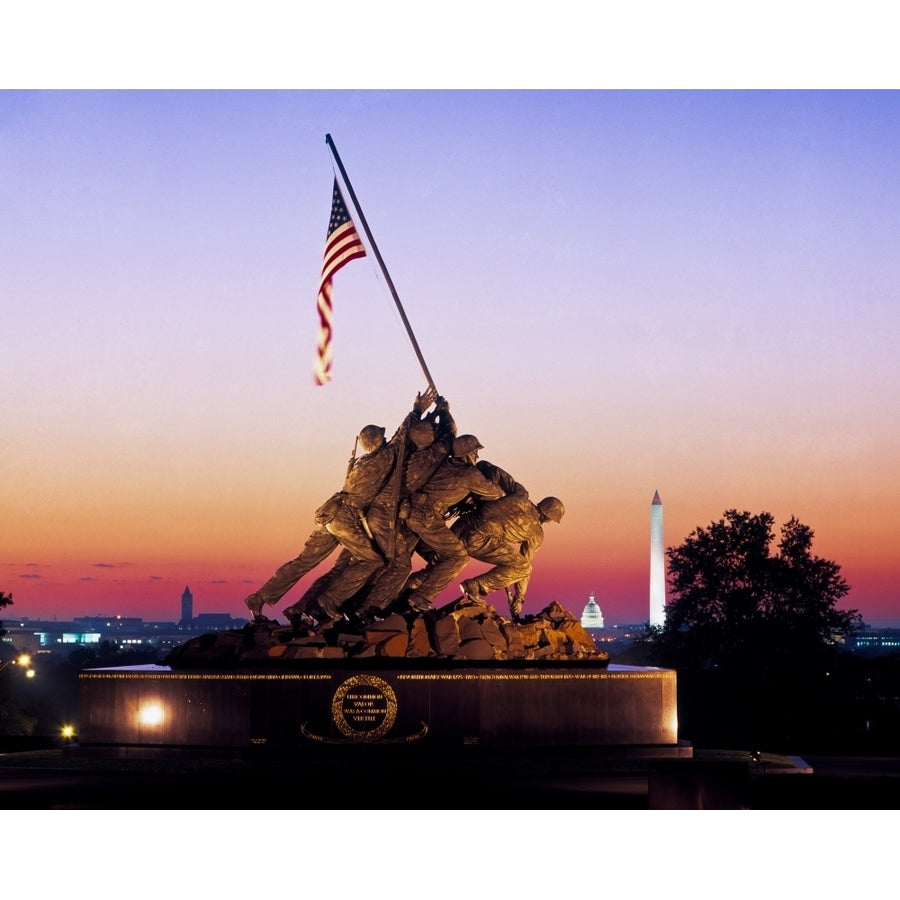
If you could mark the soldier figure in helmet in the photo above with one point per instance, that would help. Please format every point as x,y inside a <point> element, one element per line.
<point>341,520</point>
<point>430,444</point>
<point>453,481</point>
<point>506,533</point>
<point>354,583</point>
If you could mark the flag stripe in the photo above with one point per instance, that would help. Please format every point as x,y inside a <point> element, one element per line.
<point>342,245</point>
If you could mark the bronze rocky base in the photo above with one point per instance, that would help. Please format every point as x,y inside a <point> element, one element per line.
<point>461,630</point>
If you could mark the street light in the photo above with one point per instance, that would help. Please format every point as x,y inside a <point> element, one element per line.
<point>23,660</point>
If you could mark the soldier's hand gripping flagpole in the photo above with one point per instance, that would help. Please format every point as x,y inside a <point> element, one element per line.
<point>377,252</point>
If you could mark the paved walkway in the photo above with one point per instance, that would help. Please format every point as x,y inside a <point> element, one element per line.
<point>51,780</point>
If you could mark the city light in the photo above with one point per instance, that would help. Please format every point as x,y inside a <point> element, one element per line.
<point>23,661</point>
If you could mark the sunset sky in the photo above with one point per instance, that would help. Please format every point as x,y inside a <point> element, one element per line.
<point>617,291</point>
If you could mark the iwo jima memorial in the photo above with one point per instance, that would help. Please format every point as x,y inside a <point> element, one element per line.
<point>364,656</point>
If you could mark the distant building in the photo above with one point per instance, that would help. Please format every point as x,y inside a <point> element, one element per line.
<point>187,606</point>
<point>592,617</point>
<point>204,621</point>
<point>875,641</point>
<point>215,622</point>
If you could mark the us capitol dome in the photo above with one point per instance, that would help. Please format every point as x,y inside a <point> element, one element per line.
<point>592,617</point>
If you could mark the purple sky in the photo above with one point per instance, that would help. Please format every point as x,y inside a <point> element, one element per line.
<point>618,292</point>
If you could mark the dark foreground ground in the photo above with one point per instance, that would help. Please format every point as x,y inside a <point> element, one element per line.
<point>358,778</point>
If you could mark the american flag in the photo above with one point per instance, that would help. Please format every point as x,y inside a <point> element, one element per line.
<point>341,246</point>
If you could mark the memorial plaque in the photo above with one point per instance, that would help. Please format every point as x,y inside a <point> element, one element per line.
<point>364,708</point>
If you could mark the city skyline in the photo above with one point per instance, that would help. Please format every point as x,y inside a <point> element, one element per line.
<point>617,292</point>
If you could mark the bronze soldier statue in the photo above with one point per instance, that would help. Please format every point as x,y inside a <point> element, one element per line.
<point>430,444</point>
<point>341,520</point>
<point>453,481</point>
<point>362,557</point>
<point>507,533</point>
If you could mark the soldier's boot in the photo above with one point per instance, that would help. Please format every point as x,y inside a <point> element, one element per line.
<point>255,604</point>
<point>368,615</point>
<point>471,592</point>
<point>299,618</point>
<point>414,582</point>
<point>418,603</point>
<point>325,612</point>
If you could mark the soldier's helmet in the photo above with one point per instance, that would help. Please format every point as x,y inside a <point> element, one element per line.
<point>465,444</point>
<point>421,434</point>
<point>371,437</point>
<point>552,509</point>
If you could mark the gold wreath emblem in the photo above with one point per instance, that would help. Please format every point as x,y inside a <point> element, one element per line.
<point>364,708</point>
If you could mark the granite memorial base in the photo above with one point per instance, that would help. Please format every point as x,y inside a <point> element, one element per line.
<point>617,709</point>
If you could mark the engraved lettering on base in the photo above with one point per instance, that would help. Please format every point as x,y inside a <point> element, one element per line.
<point>364,708</point>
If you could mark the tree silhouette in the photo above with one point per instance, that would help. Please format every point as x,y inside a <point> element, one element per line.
<point>752,632</point>
<point>13,721</point>
<point>736,604</point>
<point>5,600</point>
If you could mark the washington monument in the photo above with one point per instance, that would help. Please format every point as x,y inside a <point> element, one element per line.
<point>657,564</point>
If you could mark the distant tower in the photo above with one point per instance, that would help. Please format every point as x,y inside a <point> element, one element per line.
<point>187,606</point>
<point>592,617</point>
<point>657,564</point>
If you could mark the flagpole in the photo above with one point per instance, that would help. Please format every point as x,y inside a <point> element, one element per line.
<point>377,252</point>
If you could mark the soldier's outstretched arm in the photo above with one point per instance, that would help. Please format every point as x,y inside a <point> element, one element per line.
<point>441,420</point>
<point>447,422</point>
<point>520,588</point>
<point>420,404</point>
<point>500,476</point>
<point>424,400</point>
